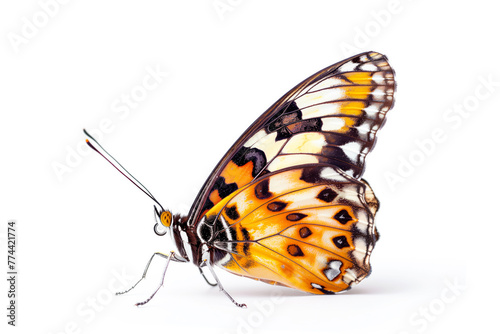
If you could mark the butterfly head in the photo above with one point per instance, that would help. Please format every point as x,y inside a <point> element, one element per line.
<point>163,221</point>
<point>171,224</point>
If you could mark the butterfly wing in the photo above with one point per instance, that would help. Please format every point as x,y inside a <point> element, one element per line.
<point>331,117</point>
<point>286,204</point>
<point>309,227</point>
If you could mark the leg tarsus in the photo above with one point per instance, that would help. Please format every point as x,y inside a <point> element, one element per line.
<point>222,289</point>
<point>145,271</point>
<point>162,279</point>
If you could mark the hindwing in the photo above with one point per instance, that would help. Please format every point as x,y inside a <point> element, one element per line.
<point>306,227</point>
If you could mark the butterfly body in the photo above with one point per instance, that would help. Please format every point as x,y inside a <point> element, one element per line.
<point>286,205</point>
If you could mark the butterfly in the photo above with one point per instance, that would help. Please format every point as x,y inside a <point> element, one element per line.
<point>286,205</point>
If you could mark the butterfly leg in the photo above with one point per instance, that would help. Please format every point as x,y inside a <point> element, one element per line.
<point>221,288</point>
<point>162,278</point>
<point>145,271</point>
<point>168,257</point>
<point>206,279</point>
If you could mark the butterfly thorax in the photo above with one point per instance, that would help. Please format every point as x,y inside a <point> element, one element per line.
<point>182,237</point>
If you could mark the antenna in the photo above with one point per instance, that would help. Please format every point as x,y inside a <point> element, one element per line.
<point>121,169</point>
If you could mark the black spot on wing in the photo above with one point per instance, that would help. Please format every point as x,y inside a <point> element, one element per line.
<point>232,212</point>
<point>246,237</point>
<point>343,217</point>
<point>223,188</point>
<point>283,133</point>
<point>304,232</point>
<point>294,250</point>
<point>356,59</point>
<point>289,113</point>
<point>327,195</point>
<point>276,206</point>
<point>262,189</point>
<point>293,217</point>
<point>340,242</point>
<point>256,156</point>
<point>308,125</point>
<point>311,174</point>
<point>342,160</point>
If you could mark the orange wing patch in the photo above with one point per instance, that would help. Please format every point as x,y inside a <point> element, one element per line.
<point>360,78</point>
<point>233,175</point>
<point>241,175</point>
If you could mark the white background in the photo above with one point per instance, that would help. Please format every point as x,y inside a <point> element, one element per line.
<point>80,229</point>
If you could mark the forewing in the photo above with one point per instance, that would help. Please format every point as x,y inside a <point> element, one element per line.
<point>331,117</point>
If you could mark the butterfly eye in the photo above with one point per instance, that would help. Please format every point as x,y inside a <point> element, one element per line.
<point>166,218</point>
